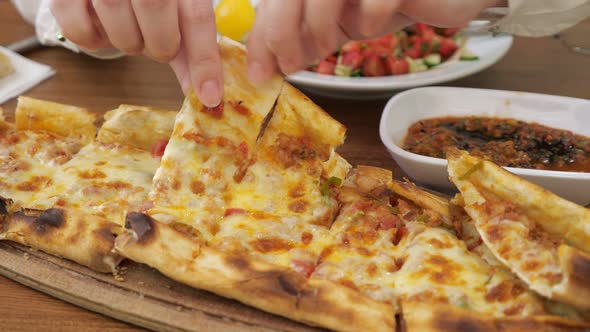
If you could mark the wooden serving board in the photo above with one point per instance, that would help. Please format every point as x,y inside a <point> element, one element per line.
<point>141,295</point>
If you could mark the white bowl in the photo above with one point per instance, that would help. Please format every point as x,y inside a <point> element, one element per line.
<point>410,106</point>
<point>490,50</point>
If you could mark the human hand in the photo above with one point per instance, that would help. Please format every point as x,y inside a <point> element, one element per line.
<point>289,35</point>
<point>153,28</point>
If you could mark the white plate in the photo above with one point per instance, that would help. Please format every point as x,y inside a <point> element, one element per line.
<point>559,112</point>
<point>489,49</point>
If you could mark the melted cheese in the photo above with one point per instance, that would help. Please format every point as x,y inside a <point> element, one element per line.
<point>29,161</point>
<point>429,264</point>
<point>107,180</point>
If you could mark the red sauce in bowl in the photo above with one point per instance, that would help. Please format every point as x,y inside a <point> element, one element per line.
<point>507,142</point>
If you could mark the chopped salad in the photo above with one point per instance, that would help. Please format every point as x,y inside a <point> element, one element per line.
<point>415,49</point>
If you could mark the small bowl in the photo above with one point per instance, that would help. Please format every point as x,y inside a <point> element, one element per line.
<point>410,106</point>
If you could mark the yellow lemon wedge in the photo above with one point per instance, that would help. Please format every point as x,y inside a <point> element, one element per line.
<point>234,18</point>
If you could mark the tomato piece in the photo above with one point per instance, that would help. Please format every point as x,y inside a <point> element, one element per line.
<point>352,59</point>
<point>414,52</point>
<point>374,66</point>
<point>305,268</point>
<point>325,67</point>
<point>367,52</point>
<point>389,40</point>
<point>216,112</point>
<point>232,211</point>
<point>389,222</point>
<point>159,148</point>
<point>397,66</point>
<point>332,59</point>
<point>381,50</point>
<point>400,234</point>
<point>425,31</point>
<point>351,46</point>
<point>447,47</point>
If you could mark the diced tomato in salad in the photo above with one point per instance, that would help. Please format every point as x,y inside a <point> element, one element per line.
<point>374,66</point>
<point>417,48</point>
<point>397,66</point>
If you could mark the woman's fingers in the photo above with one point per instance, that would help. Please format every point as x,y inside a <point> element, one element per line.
<point>199,38</point>
<point>180,67</point>
<point>119,22</point>
<point>375,15</point>
<point>282,32</point>
<point>261,62</point>
<point>321,20</point>
<point>158,22</point>
<point>451,13</point>
<point>76,24</point>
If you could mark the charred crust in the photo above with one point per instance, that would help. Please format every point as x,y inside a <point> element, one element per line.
<point>581,268</point>
<point>524,324</point>
<point>4,204</point>
<point>462,324</point>
<point>52,217</point>
<point>107,233</point>
<point>142,224</point>
<point>290,285</point>
<point>43,221</point>
<point>238,262</point>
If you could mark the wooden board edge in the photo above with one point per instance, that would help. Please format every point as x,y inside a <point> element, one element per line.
<point>109,300</point>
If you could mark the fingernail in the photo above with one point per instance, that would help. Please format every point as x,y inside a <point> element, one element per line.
<point>210,93</point>
<point>287,66</point>
<point>256,73</point>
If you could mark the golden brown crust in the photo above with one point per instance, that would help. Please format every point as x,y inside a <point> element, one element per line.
<point>331,305</point>
<point>137,126</point>
<point>185,258</point>
<point>575,287</point>
<point>63,120</point>
<point>441,317</point>
<point>367,179</point>
<point>317,124</point>
<point>562,217</point>
<point>67,233</point>
<point>421,197</point>
<point>336,166</point>
<point>477,179</point>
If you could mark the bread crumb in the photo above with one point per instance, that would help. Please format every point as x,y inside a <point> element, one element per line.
<point>178,308</point>
<point>141,296</point>
<point>26,256</point>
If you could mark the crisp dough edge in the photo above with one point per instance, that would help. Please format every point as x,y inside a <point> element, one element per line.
<point>464,169</point>
<point>183,257</point>
<point>67,233</point>
<point>446,318</point>
<point>60,119</point>
<point>137,126</point>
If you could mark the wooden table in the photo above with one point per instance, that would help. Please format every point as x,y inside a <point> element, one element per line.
<point>534,65</point>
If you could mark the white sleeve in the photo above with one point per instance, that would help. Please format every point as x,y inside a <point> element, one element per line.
<point>37,12</point>
<point>535,18</point>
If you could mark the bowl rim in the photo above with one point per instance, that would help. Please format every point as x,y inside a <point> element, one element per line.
<point>397,150</point>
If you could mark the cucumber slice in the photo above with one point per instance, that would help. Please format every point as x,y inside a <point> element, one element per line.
<point>432,60</point>
<point>467,55</point>
<point>417,65</point>
<point>343,70</point>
